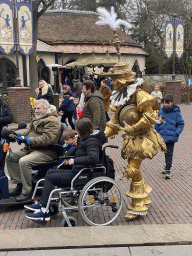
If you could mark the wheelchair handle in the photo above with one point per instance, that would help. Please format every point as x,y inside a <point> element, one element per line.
<point>110,146</point>
<point>17,138</point>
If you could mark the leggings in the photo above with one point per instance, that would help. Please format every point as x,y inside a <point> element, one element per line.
<point>68,115</point>
<point>56,178</point>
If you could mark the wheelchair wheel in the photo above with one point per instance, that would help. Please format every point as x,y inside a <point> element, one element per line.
<point>72,220</point>
<point>98,205</point>
<point>53,209</point>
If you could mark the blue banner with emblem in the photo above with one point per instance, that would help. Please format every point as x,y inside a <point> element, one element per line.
<point>179,39</point>
<point>7,45</point>
<point>25,27</point>
<point>169,27</point>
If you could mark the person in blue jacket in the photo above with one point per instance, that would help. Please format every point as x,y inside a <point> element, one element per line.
<point>67,106</point>
<point>170,131</point>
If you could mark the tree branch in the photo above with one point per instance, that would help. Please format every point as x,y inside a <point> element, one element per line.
<point>46,6</point>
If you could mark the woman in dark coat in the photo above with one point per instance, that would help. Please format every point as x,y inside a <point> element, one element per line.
<point>87,153</point>
<point>67,106</point>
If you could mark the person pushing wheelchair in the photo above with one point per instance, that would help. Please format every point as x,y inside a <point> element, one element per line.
<point>44,130</point>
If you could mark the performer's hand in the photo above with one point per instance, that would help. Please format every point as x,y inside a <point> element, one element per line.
<point>128,128</point>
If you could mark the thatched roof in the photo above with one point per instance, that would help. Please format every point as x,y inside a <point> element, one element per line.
<point>77,27</point>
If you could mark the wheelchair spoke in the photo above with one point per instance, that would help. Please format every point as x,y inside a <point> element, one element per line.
<point>100,201</point>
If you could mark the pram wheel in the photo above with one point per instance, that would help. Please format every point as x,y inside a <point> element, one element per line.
<point>72,221</point>
<point>100,201</point>
<point>53,209</point>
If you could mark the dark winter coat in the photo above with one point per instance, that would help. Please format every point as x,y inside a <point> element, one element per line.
<point>67,104</point>
<point>77,87</point>
<point>94,110</point>
<point>6,117</point>
<point>45,93</point>
<point>174,125</point>
<point>88,151</point>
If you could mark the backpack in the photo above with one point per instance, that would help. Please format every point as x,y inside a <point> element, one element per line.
<point>110,170</point>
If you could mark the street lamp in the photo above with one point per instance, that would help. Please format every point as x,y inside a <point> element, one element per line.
<point>174,44</point>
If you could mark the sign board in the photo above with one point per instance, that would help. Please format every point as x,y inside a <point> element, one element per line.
<point>189,81</point>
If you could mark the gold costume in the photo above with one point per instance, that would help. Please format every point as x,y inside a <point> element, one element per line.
<point>135,115</point>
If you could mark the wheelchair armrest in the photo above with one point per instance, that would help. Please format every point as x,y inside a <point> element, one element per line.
<point>66,157</point>
<point>57,148</point>
<point>98,165</point>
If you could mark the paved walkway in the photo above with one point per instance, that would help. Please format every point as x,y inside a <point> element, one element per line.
<point>171,250</point>
<point>171,199</point>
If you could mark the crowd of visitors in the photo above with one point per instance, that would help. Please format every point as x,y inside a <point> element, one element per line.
<point>85,103</point>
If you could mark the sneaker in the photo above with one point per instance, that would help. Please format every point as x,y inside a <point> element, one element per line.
<point>38,216</point>
<point>165,171</point>
<point>33,207</point>
<point>168,176</point>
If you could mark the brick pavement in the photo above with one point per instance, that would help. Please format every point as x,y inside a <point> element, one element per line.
<point>171,199</point>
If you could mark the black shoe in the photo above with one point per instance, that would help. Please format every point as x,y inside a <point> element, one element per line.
<point>168,176</point>
<point>24,197</point>
<point>16,191</point>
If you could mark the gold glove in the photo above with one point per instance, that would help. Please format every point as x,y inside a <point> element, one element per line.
<point>128,128</point>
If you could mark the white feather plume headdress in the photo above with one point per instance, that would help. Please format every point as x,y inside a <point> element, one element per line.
<point>110,18</point>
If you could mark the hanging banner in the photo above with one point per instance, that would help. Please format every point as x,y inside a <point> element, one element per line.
<point>25,29</point>
<point>169,25</point>
<point>179,39</point>
<point>6,27</point>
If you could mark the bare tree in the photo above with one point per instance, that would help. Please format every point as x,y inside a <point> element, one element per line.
<point>39,7</point>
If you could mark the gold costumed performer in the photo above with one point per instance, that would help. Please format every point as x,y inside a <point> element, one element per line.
<point>134,112</point>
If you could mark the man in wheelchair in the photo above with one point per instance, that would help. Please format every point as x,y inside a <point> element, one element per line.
<point>44,130</point>
<point>87,153</point>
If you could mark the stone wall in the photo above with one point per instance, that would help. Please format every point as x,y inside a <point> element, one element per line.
<point>161,80</point>
<point>19,103</point>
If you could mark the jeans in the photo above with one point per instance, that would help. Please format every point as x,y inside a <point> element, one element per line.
<point>60,177</point>
<point>68,115</point>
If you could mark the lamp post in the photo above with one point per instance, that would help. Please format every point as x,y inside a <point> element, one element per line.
<point>189,80</point>
<point>55,79</point>
<point>174,44</point>
<point>18,79</point>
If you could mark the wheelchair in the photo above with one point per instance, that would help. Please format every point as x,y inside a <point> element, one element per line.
<point>96,196</point>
